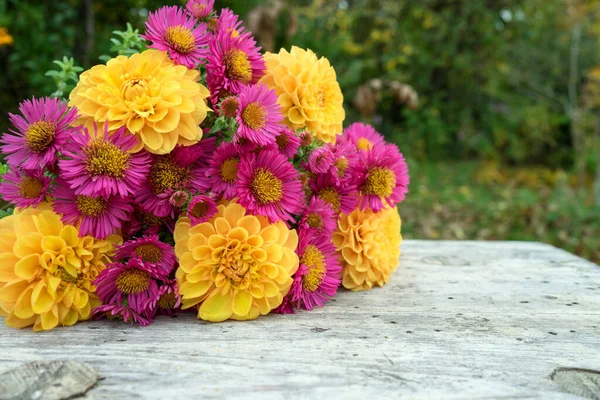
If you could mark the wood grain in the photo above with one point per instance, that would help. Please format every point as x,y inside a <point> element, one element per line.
<point>458,320</point>
<point>47,380</point>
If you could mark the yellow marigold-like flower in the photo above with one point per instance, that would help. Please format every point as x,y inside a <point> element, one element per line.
<point>159,102</point>
<point>308,91</point>
<point>235,266</point>
<point>47,269</point>
<point>5,37</point>
<point>369,247</point>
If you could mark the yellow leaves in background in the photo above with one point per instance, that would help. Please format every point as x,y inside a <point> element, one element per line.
<point>5,38</point>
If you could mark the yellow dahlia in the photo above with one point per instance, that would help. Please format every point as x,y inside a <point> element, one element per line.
<point>159,102</point>
<point>47,269</point>
<point>308,91</point>
<point>369,247</point>
<point>235,266</point>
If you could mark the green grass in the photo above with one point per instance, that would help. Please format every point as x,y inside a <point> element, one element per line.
<point>475,201</point>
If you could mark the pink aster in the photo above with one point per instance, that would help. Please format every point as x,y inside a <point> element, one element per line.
<point>199,153</point>
<point>319,217</point>
<point>40,133</point>
<point>382,177</point>
<point>118,312</point>
<point>258,115</point>
<point>232,64</point>
<point>133,281</point>
<point>363,136</point>
<point>171,30</point>
<point>150,224</point>
<point>199,8</point>
<point>228,107</point>
<point>201,209</point>
<point>150,250</point>
<point>245,146</point>
<point>223,170</point>
<point>287,142</point>
<point>319,274</point>
<point>320,160</point>
<point>286,307</point>
<point>269,185</point>
<point>98,216</point>
<point>169,299</point>
<point>229,22</point>
<point>177,171</point>
<point>345,155</point>
<point>102,165</point>
<point>342,197</point>
<point>26,188</point>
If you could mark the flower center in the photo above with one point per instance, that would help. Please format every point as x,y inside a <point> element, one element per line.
<point>105,158</point>
<point>133,88</point>
<point>315,261</point>
<point>199,210</point>
<point>314,220</point>
<point>167,301</point>
<point>181,39</point>
<point>342,165</point>
<point>199,10</point>
<point>229,170</point>
<point>149,219</point>
<point>229,107</point>
<point>133,281</point>
<point>30,187</point>
<point>364,144</point>
<point>91,206</point>
<point>321,100</point>
<point>236,263</point>
<point>282,141</point>
<point>148,253</point>
<point>254,115</point>
<point>165,174</point>
<point>237,66</point>
<point>380,182</point>
<point>266,187</point>
<point>40,135</point>
<point>331,196</point>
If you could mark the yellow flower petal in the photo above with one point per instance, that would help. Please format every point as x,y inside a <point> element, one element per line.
<point>23,307</point>
<point>223,267</point>
<point>216,308</point>
<point>162,104</point>
<point>18,323</point>
<point>7,267</point>
<point>46,259</point>
<point>190,290</point>
<point>241,303</point>
<point>50,319</point>
<point>27,267</point>
<point>369,245</point>
<point>41,300</point>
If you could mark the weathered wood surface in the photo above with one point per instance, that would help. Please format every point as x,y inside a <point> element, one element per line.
<point>458,320</point>
<point>47,380</point>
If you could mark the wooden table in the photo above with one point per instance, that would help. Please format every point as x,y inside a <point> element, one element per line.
<point>458,320</point>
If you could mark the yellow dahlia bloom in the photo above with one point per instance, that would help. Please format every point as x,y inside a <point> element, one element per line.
<point>235,266</point>
<point>47,269</point>
<point>159,102</point>
<point>308,91</point>
<point>369,247</point>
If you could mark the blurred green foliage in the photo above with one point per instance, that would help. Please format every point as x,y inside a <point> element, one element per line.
<point>493,76</point>
<point>470,200</point>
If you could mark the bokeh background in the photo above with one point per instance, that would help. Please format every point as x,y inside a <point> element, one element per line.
<point>495,103</point>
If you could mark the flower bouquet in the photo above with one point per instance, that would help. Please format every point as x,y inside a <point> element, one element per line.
<point>194,173</point>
